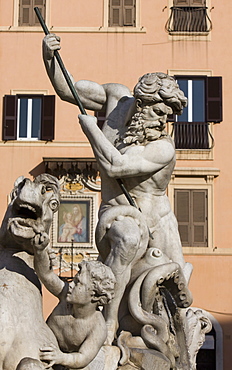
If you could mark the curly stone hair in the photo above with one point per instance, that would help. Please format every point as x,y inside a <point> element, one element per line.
<point>159,87</point>
<point>103,281</point>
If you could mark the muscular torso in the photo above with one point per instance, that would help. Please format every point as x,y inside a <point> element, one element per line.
<point>71,332</point>
<point>148,191</point>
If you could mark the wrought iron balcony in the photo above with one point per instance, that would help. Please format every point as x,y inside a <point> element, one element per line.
<point>192,135</point>
<point>188,19</point>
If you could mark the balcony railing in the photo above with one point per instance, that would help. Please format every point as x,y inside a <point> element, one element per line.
<point>192,135</point>
<point>188,19</point>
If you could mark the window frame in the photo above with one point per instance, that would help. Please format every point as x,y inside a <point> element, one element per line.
<point>136,28</point>
<point>29,124</point>
<point>30,28</point>
<point>191,224</point>
<point>193,154</point>
<point>32,18</point>
<point>198,179</point>
<point>122,16</point>
<point>208,82</point>
<point>10,117</point>
<point>218,339</point>
<point>210,105</point>
<point>183,35</point>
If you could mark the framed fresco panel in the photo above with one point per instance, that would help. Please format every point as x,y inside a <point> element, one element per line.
<point>74,223</point>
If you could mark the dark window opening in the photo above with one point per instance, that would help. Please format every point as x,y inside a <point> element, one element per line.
<point>101,117</point>
<point>206,357</point>
<point>191,130</point>
<point>28,117</point>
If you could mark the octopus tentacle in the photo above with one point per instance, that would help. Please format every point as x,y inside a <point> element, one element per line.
<point>145,317</point>
<point>149,337</point>
<point>112,214</point>
<point>155,331</point>
<point>170,276</point>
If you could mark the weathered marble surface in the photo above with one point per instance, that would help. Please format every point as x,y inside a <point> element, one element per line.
<point>23,329</point>
<point>141,278</point>
<point>138,241</point>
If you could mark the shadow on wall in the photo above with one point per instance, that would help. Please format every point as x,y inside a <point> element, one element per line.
<point>210,356</point>
<point>38,170</point>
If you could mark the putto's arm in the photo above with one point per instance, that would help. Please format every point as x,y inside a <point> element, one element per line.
<point>45,272</point>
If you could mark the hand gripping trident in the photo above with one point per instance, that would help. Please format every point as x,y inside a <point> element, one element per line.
<point>77,99</point>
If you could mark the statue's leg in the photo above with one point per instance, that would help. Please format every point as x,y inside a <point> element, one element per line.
<point>28,363</point>
<point>166,237</point>
<point>124,236</point>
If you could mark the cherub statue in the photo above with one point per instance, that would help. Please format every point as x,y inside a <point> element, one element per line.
<point>76,321</point>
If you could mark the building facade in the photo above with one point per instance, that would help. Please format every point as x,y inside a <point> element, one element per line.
<point>119,41</point>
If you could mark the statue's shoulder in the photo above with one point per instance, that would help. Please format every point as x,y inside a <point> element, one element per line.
<point>117,90</point>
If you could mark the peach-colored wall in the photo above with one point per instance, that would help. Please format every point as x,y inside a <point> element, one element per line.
<point>79,14</point>
<point>123,57</point>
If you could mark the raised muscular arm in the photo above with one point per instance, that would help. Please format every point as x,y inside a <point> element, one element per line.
<point>92,95</point>
<point>137,160</point>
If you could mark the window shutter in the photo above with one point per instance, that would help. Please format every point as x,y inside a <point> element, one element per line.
<point>181,3</point>
<point>199,218</point>
<point>48,118</point>
<point>129,13</point>
<point>193,3</point>
<point>182,211</point>
<point>9,127</point>
<point>115,13</point>
<point>214,99</point>
<point>191,213</point>
<point>41,5</point>
<point>25,12</point>
<point>197,3</point>
<point>27,16</point>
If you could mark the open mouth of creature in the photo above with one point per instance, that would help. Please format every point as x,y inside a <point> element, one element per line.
<point>26,220</point>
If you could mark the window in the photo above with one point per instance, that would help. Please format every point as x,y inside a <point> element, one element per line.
<point>210,355</point>
<point>190,207</point>
<point>122,13</point>
<point>206,357</point>
<point>101,117</point>
<point>191,129</point>
<point>28,117</point>
<point>27,16</point>
<point>191,195</point>
<point>189,16</point>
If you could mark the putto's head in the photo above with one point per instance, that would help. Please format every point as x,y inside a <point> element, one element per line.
<point>93,284</point>
<point>159,87</point>
<point>103,281</point>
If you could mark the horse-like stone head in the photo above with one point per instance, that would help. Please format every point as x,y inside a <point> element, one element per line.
<point>30,211</point>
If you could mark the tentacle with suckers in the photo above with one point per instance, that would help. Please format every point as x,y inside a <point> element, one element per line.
<point>155,331</point>
<point>158,326</point>
<point>170,276</point>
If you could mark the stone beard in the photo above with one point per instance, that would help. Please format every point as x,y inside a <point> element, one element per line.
<point>141,131</point>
